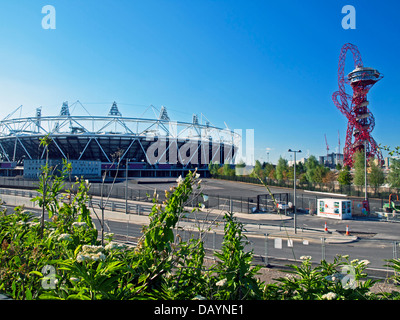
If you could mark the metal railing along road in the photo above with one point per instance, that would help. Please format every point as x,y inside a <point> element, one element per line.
<point>266,246</point>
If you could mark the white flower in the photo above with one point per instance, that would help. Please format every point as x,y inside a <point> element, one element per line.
<point>91,249</point>
<point>329,296</point>
<point>21,223</point>
<point>199,297</point>
<point>364,262</point>
<point>79,224</point>
<point>305,258</point>
<point>90,257</point>
<point>90,253</point>
<point>81,258</point>
<point>74,279</point>
<point>197,175</point>
<point>114,245</point>
<point>64,236</point>
<point>179,180</point>
<point>221,283</point>
<point>97,256</point>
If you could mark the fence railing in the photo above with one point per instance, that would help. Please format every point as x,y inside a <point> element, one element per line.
<point>305,202</point>
<point>350,190</point>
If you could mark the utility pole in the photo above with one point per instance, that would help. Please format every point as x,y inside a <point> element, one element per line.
<point>294,189</point>
<point>126,186</point>
<point>365,169</point>
<point>337,156</point>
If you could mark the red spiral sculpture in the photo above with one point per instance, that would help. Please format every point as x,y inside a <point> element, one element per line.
<point>361,122</point>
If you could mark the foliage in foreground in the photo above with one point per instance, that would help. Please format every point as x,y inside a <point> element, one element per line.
<point>66,260</point>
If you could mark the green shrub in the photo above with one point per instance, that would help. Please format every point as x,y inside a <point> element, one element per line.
<point>65,259</point>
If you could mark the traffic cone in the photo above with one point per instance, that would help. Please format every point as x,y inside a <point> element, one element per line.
<point>326,227</point>
<point>347,230</point>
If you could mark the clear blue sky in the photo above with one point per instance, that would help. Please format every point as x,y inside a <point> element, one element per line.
<point>262,65</point>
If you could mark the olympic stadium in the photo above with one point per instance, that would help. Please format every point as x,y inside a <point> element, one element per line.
<point>137,147</point>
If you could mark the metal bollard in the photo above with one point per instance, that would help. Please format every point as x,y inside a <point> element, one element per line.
<point>266,249</point>
<point>214,234</point>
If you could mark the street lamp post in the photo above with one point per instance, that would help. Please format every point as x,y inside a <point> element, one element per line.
<point>126,186</point>
<point>294,188</point>
<point>365,170</point>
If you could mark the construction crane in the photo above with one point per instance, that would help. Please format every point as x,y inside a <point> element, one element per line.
<point>327,150</point>
<point>361,122</point>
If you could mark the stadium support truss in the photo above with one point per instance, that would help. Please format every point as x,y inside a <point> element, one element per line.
<point>141,142</point>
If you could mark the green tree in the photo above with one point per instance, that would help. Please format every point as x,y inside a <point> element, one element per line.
<point>281,168</point>
<point>394,173</point>
<point>344,177</point>
<point>240,169</point>
<point>376,176</point>
<point>268,168</point>
<point>320,173</point>
<point>300,168</point>
<point>213,168</point>
<point>290,173</point>
<point>227,170</point>
<point>359,168</point>
<point>311,166</point>
<point>258,170</point>
<point>241,164</point>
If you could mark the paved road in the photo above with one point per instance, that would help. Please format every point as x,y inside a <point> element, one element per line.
<point>376,239</point>
<point>224,190</point>
<point>365,248</point>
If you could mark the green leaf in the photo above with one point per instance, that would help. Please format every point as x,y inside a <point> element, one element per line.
<point>49,296</point>
<point>28,294</point>
<point>37,273</point>
<point>78,296</point>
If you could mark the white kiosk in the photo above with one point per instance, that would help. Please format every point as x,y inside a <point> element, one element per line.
<point>334,208</point>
